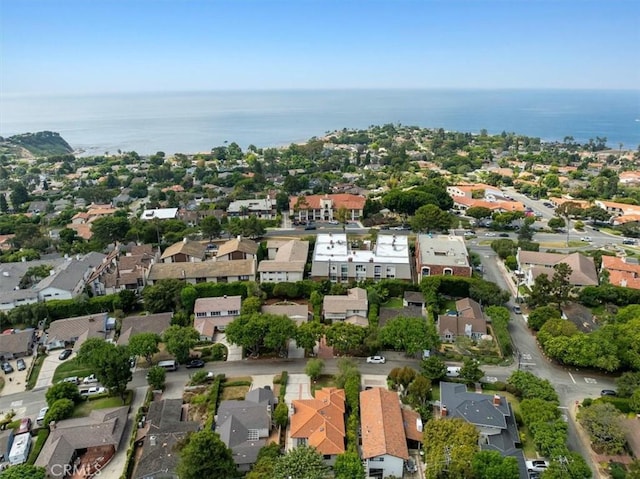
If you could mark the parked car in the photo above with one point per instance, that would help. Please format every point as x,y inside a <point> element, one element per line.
<point>453,371</point>
<point>608,392</point>
<point>310,227</point>
<point>65,354</point>
<point>25,425</point>
<point>334,222</point>
<point>93,391</point>
<point>586,239</point>
<point>71,379</point>
<point>376,360</point>
<point>537,465</point>
<point>410,466</point>
<point>21,364</point>
<point>7,368</point>
<point>195,363</point>
<point>41,415</point>
<point>91,379</point>
<point>490,234</point>
<point>628,241</point>
<point>517,310</point>
<point>503,235</point>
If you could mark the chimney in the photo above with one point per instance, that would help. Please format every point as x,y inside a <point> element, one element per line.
<point>496,400</point>
<point>443,410</point>
<point>184,240</point>
<point>239,237</point>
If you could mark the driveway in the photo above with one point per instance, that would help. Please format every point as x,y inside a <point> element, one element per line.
<point>16,381</point>
<point>234,353</point>
<point>261,380</point>
<point>298,387</point>
<point>49,365</point>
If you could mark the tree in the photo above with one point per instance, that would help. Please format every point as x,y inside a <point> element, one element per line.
<point>411,335</point>
<point>4,206</point>
<point>302,462</point>
<point>127,300</point>
<point>308,334</point>
<point>281,329</point>
<point>634,401</point>
<point>163,296</point>
<point>60,409</point>
<point>110,229</point>
<point>247,331</point>
<point>205,455</point>
<point>210,227</point>
<point>478,212</point>
<point>345,337</point>
<point>63,390</point>
<point>314,368</point>
<point>179,341</point>
<point>110,363</point>
<point>470,371</point>
<point>433,368</point>
<point>145,345</point>
<point>24,471</point>
<point>430,218</point>
<point>19,195</point>
<point>556,223</point>
<point>402,377</point>
<point>281,414</point>
<point>602,423</point>
<point>348,465</point>
<point>493,465</point>
<point>571,465</point>
<point>156,377</point>
<point>450,445</point>
<point>267,457</point>
<point>419,391</point>
<point>541,315</point>
<point>628,383</point>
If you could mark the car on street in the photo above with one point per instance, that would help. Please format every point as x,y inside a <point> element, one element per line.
<point>310,227</point>
<point>503,235</point>
<point>410,466</point>
<point>629,241</point>
<point>64,354</point>
<point>21,364</point>
<point>517,310</point>
<point>7,368</point>
<point>333,222</point>
<point>608,392</point>
<point>25,425</point>
<point>586,239</point>
<point>537,465</point>
<point>376,360</point>
<point>195,363</point>
<point>41,415</point>
<point>490,234</point>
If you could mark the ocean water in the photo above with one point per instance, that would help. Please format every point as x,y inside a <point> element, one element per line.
<point>192,122</point>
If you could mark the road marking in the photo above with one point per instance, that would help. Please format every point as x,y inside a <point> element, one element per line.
<point>492,379</point>
<point>574,381</point>
<point>527,364</point>
<point>16,404</point>
<point>590,381</point>
<point>527,357</point>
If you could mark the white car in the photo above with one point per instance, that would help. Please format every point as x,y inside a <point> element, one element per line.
<point>90,379</point>
<point>333,222</point>
<point>93,391</point>
<point>489,234</point>
<point>537,466</point>
<point>376,360</point>
<point>586,239</point>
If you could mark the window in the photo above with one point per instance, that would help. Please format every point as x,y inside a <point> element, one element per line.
<point>233,312</point>
<point>361,271</point>
<point>215,313</point>
<point>201,280</point>
<point>447,272</point>
<point>425,271</point>
<point>244,277</point>
<point>377,272</point>
<point>333,273</point>
<point>344,272</point>
<point>201,315</point>
<point>391,271</point>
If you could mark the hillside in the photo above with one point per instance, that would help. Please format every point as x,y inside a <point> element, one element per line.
<point>42,143</point>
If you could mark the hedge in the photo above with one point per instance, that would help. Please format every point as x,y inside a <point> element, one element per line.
<point>284,378</point>
<point>621,404</point>
<point>500,325</point>
<point>213,399</point>
<point>43,434</point>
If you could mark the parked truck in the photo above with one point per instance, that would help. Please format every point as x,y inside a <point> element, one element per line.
<point>20,449</point>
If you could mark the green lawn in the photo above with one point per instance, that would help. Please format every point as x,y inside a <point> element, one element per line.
<point>450,305</point>
<point>35,371</point>
<point>393,303</point>
<point>70,368</point>
<point>324,381</point>
<point>85,407</point>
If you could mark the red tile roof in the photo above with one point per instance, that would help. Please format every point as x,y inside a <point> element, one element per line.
<point>382,424</point>
<point>350,202</point>
<point>321,421</point>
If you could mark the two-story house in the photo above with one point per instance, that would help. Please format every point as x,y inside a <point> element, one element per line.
<point>325,207</point>
<point>185,251</point>
<point>214,314</point>
<point>533,263</point>
<point>467,320</point>
<point>442,255</point>
<point>286,263</point>
<point>352,307</point>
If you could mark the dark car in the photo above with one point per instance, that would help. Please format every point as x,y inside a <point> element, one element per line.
<point>310,227</point>
<point>21,364</point>
<point>195,363</point>
<point>7,368</point>
<point>65,354</point>
<point>608,392</point>
<point>503,235</point>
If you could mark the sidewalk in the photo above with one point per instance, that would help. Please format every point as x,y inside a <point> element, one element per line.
<point>583,437</point>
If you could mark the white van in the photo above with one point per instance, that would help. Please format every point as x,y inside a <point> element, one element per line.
<point>20,449</point>
<point>169,365</point>
<point>453,371</point>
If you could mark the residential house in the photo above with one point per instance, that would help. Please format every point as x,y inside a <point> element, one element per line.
<point>334,258</point>
<point>264,209</point>
<point>238,249</point>
<point>123,198</point>
<point>123,269</point>
<point>165,428</point>
<point>319,423</point>
<point>204,272</point>
<point>532,264</point>
<point>287,264</point>
<point>442,255</point>
<point>89,443</point>
<point>5,242</point>
<point>156,323</point>
<point>37,207</point>
<point>11,274</point>
<point>214,314</point>
<point>325,207</point>
<point>77,330</point>
<point>463,203</point>
<point>352,307</point>
<point>244,426</point>
<point>385,435</point>
<point>298,312</point>
<point>629,178</point>
<point>81,222</point>
<point>467,320</point>
<point>413,298</point>
<point>618,209</point>
<point>69,279</point>
<point>623,272</point>
<point>17,344</point>
<point>159,214</point>
<point>492,415</point>
<point>477,190</point>
<point>185,251</point>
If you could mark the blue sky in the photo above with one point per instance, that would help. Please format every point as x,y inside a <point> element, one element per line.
<point>93,46</point>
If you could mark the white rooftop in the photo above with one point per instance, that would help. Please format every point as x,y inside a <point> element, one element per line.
<point>388,249</point>
<point>159,213</point>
